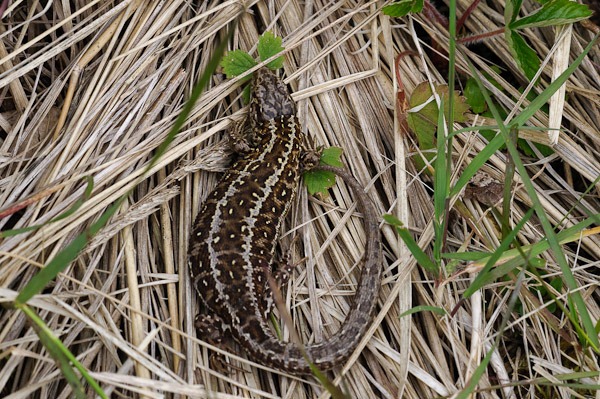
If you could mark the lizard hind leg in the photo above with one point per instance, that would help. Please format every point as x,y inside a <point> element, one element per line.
<point>283,265</point>
<point>280,273</point>
<point>271,277</point>
<point>309,158</point>
<point>208,329</point>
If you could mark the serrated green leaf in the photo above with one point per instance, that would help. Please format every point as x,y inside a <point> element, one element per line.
<point>526,59</point>
<point>424,121</point>
<point>511,11</point>
<point>332,156</point>
<point>553,13</point>
<point>237,62</point>
<point>268,46</point>
<point>474,97</point>
<point>402,8</point>
<point>319,181</point>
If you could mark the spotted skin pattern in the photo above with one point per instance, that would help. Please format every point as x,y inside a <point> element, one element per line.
<point>232,246</point>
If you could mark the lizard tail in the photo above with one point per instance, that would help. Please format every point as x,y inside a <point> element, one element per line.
<point>338,348</point>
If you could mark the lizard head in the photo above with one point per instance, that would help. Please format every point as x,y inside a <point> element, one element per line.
<point>270,97</point>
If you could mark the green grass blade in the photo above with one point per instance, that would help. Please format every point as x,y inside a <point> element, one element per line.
<point>67,255</point>
<point>67,362</point>
<point>420,256</point>
<point>542,98</point>
<point>571,283</point>
<point>86,195</point>
<point>440,191</point>
<point>478,161</point>
<point>424,308</point>
<point>484,277</point>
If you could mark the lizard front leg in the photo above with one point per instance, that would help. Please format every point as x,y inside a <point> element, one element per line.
<point>242,138</point>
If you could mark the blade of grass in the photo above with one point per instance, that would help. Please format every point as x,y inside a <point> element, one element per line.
<point>482,368</point>
<point>440,191</point>
<point>571,283</point>
<point>72,250</point>
<point>62,356</point>
<point>424,308</point>
<point>483,277</point>
<point>420,256</point>
<point>446,173</point>
<point>86,195</point>
<point>509,175</point>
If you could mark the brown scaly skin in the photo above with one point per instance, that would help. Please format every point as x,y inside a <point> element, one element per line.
<point>233,242</point>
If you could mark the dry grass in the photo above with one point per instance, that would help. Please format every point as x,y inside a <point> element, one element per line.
<point>124,307</point>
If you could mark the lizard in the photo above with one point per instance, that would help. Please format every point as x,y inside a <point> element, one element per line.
<point>232,247</point>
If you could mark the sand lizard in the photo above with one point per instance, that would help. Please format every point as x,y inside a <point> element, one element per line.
<point>234,238</point>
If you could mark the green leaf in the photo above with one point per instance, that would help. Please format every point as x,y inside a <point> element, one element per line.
<point>556,12</point>
<point>423,121</point>
<point>320,181</point>
<point>237,62</point>
<point>268,46</point>
<point>474,97</point>
<point>332,156</point>
<point>473,94</point>
<point>511,11</point>
<point>526,59</point>
<point>402,8</point>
